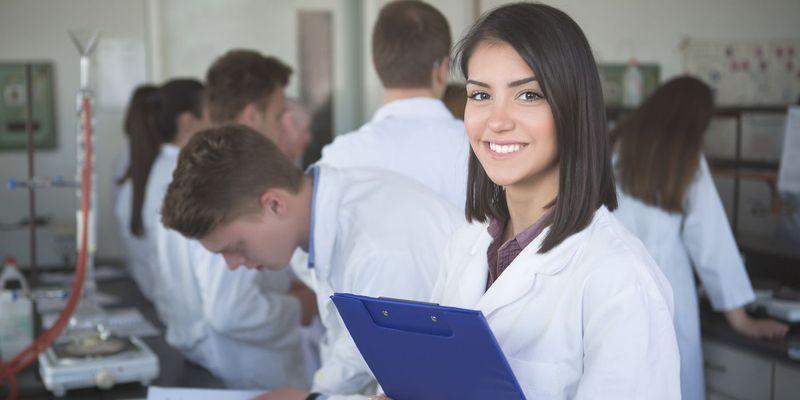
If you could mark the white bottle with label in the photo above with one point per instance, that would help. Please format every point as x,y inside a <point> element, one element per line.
<point>16,318</point>
<point>632,85</point>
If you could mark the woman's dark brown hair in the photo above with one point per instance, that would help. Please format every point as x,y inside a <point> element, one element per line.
<point>556,50</point>
<point>659,144</point>
<point>151,120</point>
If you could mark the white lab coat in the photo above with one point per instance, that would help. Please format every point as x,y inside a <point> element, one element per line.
<point>418,138</point>
<point>700,237</point>
<point>134,248</point>
<point>589,319</point>
<point>243,329</point>
<point>374,233</point>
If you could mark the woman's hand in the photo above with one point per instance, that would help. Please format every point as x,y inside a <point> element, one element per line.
<point>748,326</point>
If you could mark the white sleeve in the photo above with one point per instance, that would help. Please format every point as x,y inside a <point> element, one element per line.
<point>628,341</point>
<point>440,284</point>
<point>235,305</point>
<point>712,247</point>
<point>378,274</point>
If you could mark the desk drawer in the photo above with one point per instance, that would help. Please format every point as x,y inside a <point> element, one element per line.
<point>787,382</point>
<point>737,374</point>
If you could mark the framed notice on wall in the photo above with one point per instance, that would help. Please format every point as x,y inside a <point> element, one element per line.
<point>13,100</point>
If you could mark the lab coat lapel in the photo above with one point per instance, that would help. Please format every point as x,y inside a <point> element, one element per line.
<point>326,214</point>
<point>521,274</point>
<point>473,277</point>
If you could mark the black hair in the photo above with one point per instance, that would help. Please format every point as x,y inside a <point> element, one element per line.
<point>151,123</point>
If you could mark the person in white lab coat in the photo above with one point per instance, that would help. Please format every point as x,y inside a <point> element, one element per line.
<point>668,199</point>
<point>132,234</point>
<point>366,231</point>
<point>413,133</point>
<point>578,307</point>
<point>241,325</point>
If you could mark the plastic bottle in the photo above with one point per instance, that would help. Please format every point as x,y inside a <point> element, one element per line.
<point>632,85</point>
<point>16,318</point>
<point>11,277</point>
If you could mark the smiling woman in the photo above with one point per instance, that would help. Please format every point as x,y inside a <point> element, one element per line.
<point>577,305</point>
<point>535,116</point>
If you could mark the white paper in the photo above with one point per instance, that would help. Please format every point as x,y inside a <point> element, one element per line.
<point>46,305</point>
<point>101,274</point>
<point>789,174</point>
<point>122,321</point>
<point>121,66</point>
<point>162,393</point>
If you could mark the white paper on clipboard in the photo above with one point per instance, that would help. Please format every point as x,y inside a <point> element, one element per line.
<point>162,393</point>
<point>789,174</point>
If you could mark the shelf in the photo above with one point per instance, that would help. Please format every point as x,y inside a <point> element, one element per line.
<point>728,163</point>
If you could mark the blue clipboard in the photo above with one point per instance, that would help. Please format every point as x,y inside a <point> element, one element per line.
<point>423,351</point>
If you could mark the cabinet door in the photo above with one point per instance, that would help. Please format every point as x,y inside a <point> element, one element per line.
<point>736,374</point>
<point>717,396</point>
<point>787,382</point>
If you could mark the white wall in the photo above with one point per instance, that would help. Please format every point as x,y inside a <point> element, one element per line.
<point>37,30</point>
<point>195,33</point>
<point>651,30</point>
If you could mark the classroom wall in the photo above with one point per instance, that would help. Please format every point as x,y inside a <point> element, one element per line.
<point>195,33</point>
<point>36,30</point>
<point>652,30</point>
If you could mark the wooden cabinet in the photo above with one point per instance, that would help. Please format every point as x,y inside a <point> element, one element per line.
<point>733,374</point>
<point>786,382</point>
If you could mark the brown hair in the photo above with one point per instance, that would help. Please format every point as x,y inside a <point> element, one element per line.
<point>241,77</point>
<point>556,50</point>
<point>660,143</point>
<point>151,120</point>
<point>408,39</point>
<point>455,98</point>
<point>221,174</point>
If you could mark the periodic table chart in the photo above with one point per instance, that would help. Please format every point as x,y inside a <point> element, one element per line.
<point>741,72</point>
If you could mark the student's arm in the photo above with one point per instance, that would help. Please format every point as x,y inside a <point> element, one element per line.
<point>387,274</point>
<point>711,245</point>
<point>715,256</point>
<point>234,305</point>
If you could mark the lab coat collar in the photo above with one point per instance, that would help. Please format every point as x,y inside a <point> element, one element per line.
<point>415,107</point>
<point>520,275</point>
<point>170,150</point>
<point>325,214</point>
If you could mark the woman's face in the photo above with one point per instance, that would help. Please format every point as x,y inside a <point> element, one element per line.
<point>509,122</point>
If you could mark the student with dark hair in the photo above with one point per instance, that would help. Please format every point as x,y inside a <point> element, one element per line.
<point>243,326</point>
<point>129,221</point>
<point>577,305</point>
<point>248,88</point>
<point>366,231</point>
<point>413,133</point>
<point>156,117</point>
<point>668,199</point>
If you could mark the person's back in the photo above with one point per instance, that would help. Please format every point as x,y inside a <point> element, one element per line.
<point>417,138</point>
<point>667,198</point>
<point>413,134</point>
<point>380,234</point>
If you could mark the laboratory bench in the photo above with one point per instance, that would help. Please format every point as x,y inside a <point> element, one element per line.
<point>740,368</point>
<point>174,369</point>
